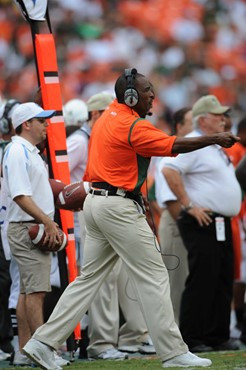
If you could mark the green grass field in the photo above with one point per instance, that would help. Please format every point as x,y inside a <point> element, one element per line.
<point>221,360</point>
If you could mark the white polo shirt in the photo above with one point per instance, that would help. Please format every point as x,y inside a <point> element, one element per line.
<point>162,191</point>
<point>209,178</point>
<point>25,173</point>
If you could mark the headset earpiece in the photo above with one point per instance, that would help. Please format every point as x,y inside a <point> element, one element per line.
<point>5,121</point>
<point>131,94</point>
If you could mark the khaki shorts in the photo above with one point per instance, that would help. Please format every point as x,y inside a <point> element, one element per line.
<point>34,265</point>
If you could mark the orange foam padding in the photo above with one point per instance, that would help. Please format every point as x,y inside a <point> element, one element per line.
<point>51,98</point>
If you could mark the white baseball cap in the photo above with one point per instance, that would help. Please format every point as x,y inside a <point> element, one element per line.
<point>27,111</point>
<point>75,112</point>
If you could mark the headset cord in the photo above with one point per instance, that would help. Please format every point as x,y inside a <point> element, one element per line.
<point>154,230</point>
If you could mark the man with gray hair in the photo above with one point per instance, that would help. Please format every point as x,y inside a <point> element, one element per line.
<point>205,184</point>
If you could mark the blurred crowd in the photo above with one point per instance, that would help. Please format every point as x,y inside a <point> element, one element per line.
<point>187,48</point>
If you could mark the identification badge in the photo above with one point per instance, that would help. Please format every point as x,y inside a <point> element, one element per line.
<point>220,229</point>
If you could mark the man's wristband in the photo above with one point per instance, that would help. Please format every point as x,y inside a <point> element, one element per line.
<point>188,207</point>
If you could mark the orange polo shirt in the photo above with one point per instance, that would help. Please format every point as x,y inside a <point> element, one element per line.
<point>121,146</point>
<point>236,152</point>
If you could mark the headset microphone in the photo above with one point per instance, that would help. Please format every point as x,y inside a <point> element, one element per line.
<point>131,94</point>
<point>149,114</point>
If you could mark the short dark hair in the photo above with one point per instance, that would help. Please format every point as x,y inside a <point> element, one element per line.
<point>18,129</point>
<point>178,117</point>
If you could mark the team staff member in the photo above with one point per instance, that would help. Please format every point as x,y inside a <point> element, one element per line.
<point>120,148</point>
<point>205,184</point>
<point>26,179</point>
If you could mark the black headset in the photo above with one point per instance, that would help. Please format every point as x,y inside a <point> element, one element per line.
<point>5,121</point>
<point>131,94</point>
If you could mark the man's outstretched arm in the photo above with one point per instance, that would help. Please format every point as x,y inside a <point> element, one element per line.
<point>188,144</point>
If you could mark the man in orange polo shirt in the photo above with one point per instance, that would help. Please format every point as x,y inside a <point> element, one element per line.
<point>120,148</point>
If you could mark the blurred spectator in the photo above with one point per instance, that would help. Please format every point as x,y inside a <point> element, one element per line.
<point>189,48</point>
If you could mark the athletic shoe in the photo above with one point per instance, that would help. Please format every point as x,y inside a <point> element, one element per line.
<point>21,360</point>
<point>201,348</point>
<point>185,360</point>
<point>110,354</point>
<point>60,361</point>
<point>41,354</point>
<point>4,356</point>
<point>144,348</point>
<point>229,345</point>
<point>128,349</point>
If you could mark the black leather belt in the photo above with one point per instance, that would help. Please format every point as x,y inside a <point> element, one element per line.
<point>214,215</point>
<point>103,192</point>
<point>105,189</point>
<point>104,185</point>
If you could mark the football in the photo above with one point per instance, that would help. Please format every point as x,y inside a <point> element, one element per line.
<point>56,186</point>
<point>72,197</point>
<point>37,235</point>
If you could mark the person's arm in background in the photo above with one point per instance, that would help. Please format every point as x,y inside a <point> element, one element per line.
<point>175,183</point>
<point>174,208</point>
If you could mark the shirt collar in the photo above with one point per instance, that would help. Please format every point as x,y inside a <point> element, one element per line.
<point>28,145</point>
<point>123,108</point>
<point>86,129</point>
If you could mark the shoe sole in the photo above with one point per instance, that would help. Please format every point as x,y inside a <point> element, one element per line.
<point>179,365</point>
<point>143,352</point>
<point>38,361</point>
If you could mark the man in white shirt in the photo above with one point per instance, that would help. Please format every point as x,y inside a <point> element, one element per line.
<point>205,184</point>
<point>27,183</point>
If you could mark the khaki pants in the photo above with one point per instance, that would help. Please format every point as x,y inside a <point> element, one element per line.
<point>114,229</point>
<point>134,331</point>
<point>174,255</point>
<point>103,327</point>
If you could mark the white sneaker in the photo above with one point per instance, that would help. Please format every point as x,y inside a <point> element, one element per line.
<point>21,360</point>
<point>185,360</point>
<point>110,354</point>
<point>146,349</point>
<point>60,361</point>
<point>4,356</point>
<point>129,349</point>
<point>41,354</point>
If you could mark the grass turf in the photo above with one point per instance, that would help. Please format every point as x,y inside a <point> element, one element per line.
<point>221,361</point>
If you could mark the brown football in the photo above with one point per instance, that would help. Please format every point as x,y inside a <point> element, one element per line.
<point>72,196</point>
<point>37,235</point>
<point>57,186</point>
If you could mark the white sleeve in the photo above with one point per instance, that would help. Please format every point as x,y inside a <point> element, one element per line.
<point>15,171</point>
<point>162,191</point>
<point>77,148</point>
<point>183,163</point>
